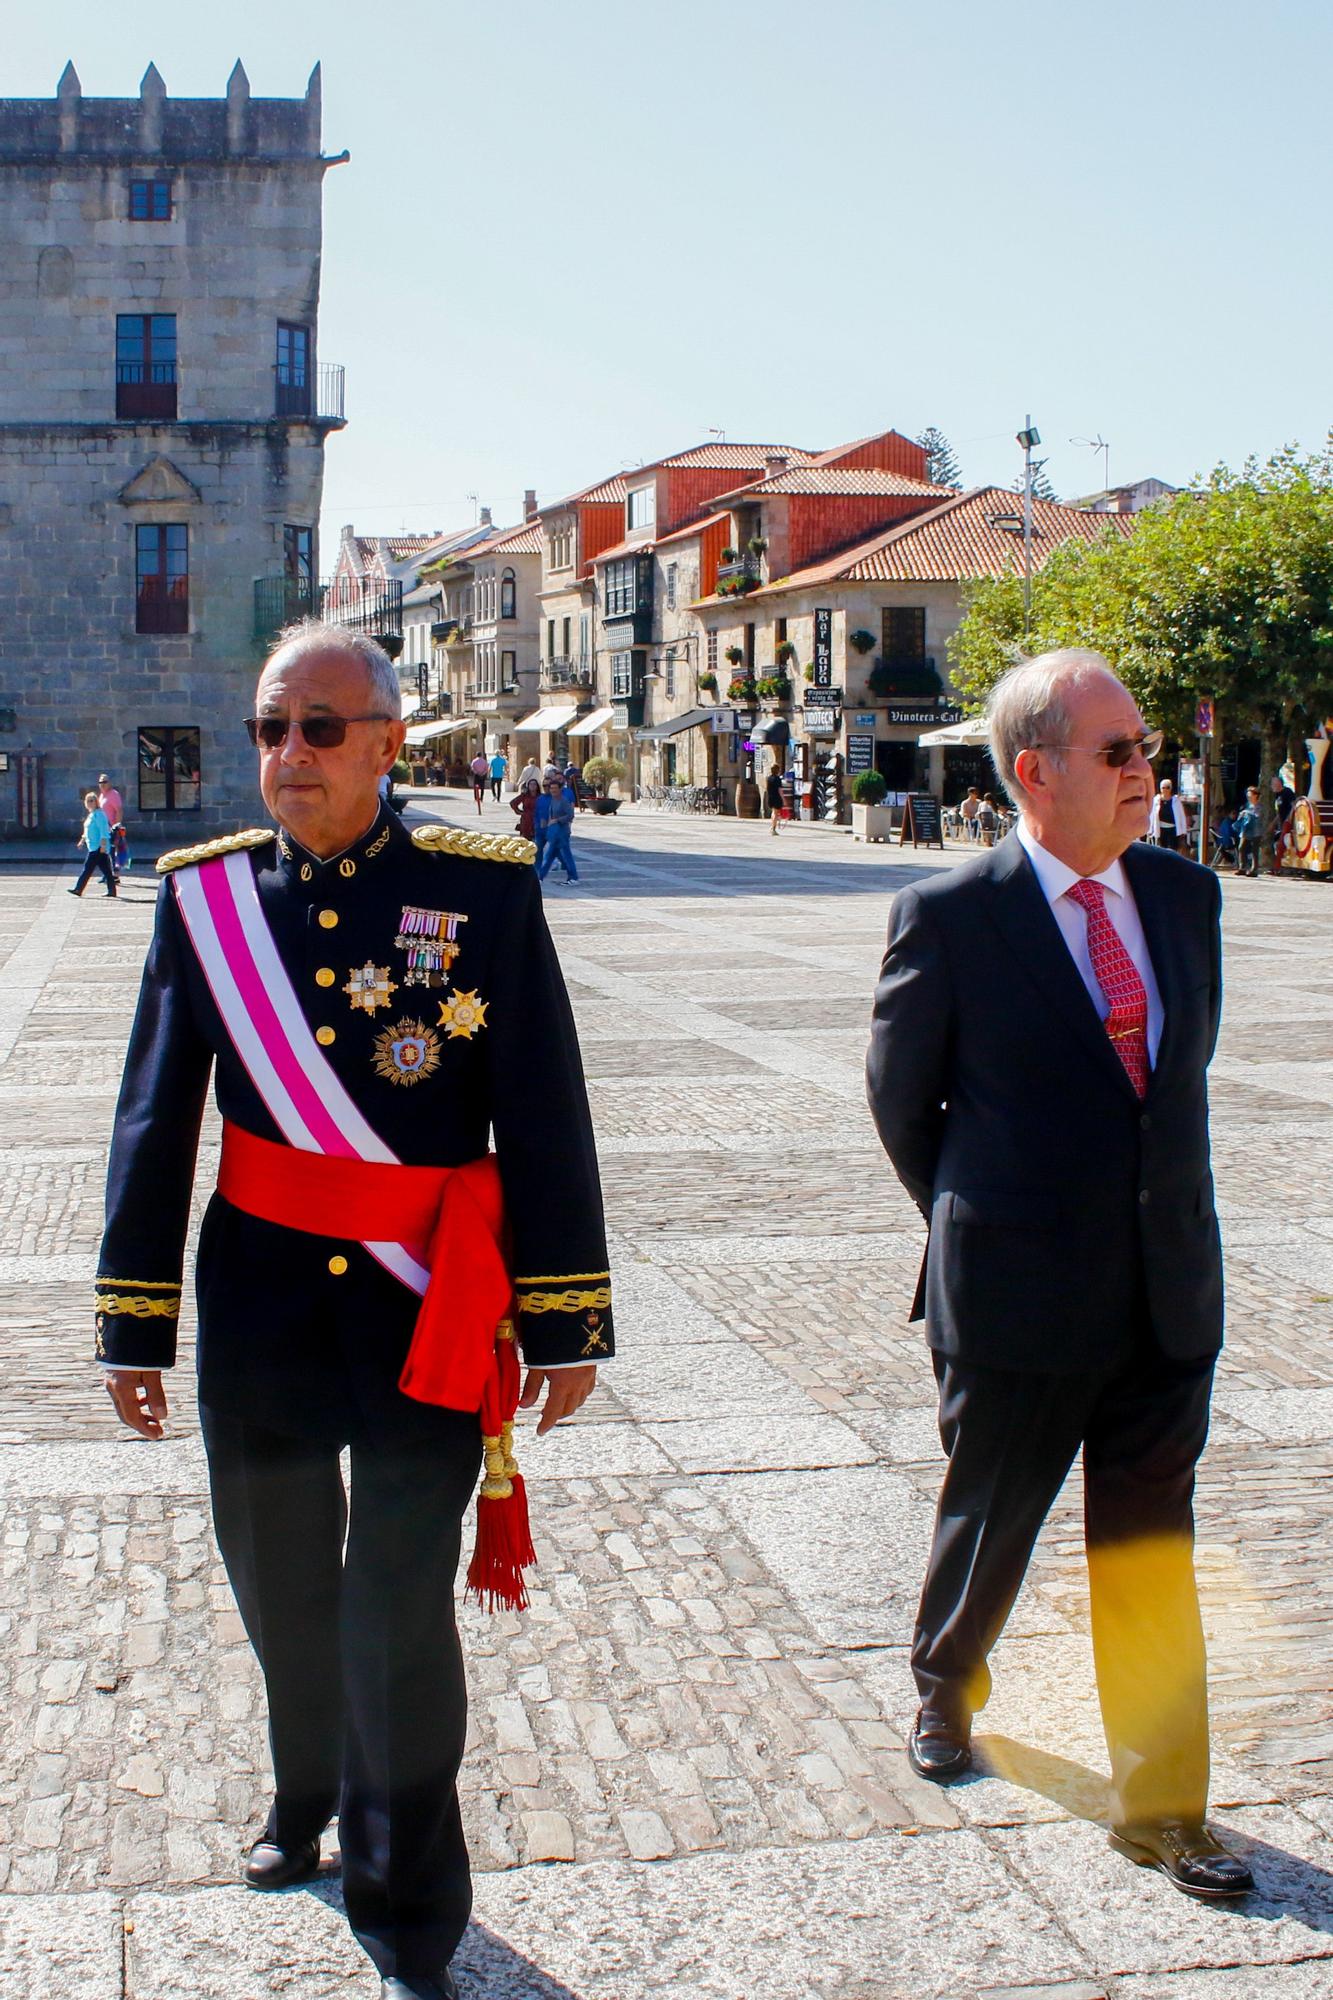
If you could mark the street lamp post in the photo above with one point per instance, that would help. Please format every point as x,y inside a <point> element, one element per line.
<point>1029,438</point>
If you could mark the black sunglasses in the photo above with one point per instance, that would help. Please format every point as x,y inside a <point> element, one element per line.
<point>321,732</point>
<point>1119,753</point>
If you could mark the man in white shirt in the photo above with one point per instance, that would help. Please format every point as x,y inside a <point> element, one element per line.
<point>1042,1027</point>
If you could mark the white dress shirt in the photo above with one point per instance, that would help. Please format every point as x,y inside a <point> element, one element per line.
<point>1057,879</point>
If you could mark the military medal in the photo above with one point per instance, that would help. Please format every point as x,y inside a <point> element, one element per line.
<point>406,1052</point>
<point>463,1015</point>
<point>430,940</point>
<point>369,986</point>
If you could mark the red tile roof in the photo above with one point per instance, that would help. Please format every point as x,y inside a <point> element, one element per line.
<point>523,540</point>
<point>958,539</point>
<point>740,457</point>
<point>400,547</point>
<point>612,489</point>
<point>843,479</point>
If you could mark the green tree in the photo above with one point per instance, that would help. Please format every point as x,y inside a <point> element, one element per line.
<point>1225,592</point>
<point>1042,488</point>
<point>941,465</point>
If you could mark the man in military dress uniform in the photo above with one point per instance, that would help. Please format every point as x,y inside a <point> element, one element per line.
<point>375,1004</point>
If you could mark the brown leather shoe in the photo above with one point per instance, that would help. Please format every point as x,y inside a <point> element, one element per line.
<point>937,1748</point>
<point>269,1866</point>
<point>1189,1857</point>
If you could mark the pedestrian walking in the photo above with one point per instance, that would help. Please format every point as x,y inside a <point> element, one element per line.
<point>110,800</point>
<point>530,770</point>
<point>1050,1131</point>
<point>481,771</point>
<point>96,837</point>
<point>499,764</point>
<point>554,816</point>
<point>773,800</point>
<point>1249,829</point>
<point>354,1287</point>
<point>1168,823</point>
<point>524,804</point>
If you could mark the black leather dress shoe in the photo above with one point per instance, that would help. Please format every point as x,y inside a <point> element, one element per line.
<point>413,1986</point>
<point>937,1748</point>
<point>1188,1856</point>
<point>272,1867</point>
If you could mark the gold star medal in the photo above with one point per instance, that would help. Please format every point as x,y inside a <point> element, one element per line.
<point>369,986</point>
<point>406,1052</point>
<point>463,1015</point>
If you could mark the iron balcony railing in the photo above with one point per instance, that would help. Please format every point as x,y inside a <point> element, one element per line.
<point>317,395</point>
<point>365,605</point>
<point>279,601</point>
<point>565,672</point>
<point>741,574</point>
<point>146,391</point>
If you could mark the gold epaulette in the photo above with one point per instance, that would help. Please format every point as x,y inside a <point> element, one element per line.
<point>439,839</point>
<point>226,843</point>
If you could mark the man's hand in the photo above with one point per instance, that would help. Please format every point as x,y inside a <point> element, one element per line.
<point>567,1390</point>
<point>140,1399</point>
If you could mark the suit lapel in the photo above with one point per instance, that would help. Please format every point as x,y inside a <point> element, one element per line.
<point>1150,900</point>
<point>1024,917</point>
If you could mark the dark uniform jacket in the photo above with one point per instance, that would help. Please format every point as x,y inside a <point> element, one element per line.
<point>1061,1209</point>
<point>303,1332</point>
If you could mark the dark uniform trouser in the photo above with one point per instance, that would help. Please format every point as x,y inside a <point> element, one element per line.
<point>366,1697</point>
<point>1011,1439</point>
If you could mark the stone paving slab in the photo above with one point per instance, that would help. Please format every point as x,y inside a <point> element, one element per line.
<point>53,1946</point>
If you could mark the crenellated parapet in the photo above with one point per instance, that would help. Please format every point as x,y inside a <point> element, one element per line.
<point>154,125</point>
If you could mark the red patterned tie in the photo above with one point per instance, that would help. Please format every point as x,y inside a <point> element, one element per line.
<point>1118,977</point>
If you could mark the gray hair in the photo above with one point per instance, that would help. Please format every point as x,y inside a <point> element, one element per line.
<point>320,636</point>
<point>1028,707</point>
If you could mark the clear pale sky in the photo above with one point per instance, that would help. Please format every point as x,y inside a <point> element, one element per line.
<point>574,237</point>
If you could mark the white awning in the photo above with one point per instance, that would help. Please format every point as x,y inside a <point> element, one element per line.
<point>956,735</point>
<point>590,724</point>
<point>547,718</point>
<point>422,732</point>
<point>411,703</point>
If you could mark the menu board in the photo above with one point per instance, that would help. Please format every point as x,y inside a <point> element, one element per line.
<point>922,823</point>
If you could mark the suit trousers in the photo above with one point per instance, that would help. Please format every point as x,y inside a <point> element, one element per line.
<point>1011,1439</point>
<point>361,1661</point>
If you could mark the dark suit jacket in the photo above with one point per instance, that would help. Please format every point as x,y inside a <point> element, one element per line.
<point>1060,1207</point>
<point>284,1340</point>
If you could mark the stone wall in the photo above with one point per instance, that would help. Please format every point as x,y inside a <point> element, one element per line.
<point>240,252</point>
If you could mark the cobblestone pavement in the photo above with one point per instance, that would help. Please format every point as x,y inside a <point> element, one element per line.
<point>685,1773</point>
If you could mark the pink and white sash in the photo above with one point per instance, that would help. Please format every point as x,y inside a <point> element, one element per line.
<point>305,1098</point>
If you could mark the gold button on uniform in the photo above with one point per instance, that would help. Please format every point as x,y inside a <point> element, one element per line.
<point>337,1265</point>
<point>325,976</point>
<point>328,919</point>
<point>324,1036</point>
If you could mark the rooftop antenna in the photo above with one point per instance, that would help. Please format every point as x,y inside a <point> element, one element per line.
<point>476,514</point>
<point>1099,443</point>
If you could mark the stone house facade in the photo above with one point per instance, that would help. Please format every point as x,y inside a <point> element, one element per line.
<point>163,415</point>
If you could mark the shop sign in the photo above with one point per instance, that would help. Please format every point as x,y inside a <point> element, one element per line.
<point>822,697</point>
<point>822,722</point>
<point>866,721</point>
<point>860,754</point>
<point>722,721</point>
<point>823,649</point>
<point>911,714</point>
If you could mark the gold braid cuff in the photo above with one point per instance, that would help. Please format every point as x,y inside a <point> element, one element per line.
<point>129,1305</point>
<point>565,1302</point>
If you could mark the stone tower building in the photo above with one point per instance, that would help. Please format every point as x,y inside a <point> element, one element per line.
<point>163,413</point>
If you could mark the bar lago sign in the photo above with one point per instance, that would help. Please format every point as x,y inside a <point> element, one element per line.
<point>823,649</point>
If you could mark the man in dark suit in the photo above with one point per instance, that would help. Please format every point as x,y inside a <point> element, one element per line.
<point>411,999</point>
<point>1042,1027</point>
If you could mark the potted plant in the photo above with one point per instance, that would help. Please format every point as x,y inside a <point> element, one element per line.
<point>730,555</point>
<point>786,654</point>
<point>733,656</point>
<point>809,671</point>
<point>743,690</point>
<point>599,774</point>
<point>775,687</point>
<point>757,545</point>
<point>707,683</point>
<point>861,642</point>
<point>871,818</point>
<point>401,774</point>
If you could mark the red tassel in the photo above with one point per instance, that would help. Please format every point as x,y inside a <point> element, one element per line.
<point>504,1537</point>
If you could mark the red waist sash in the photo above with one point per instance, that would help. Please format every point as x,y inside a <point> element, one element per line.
<point>453,1217</point>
